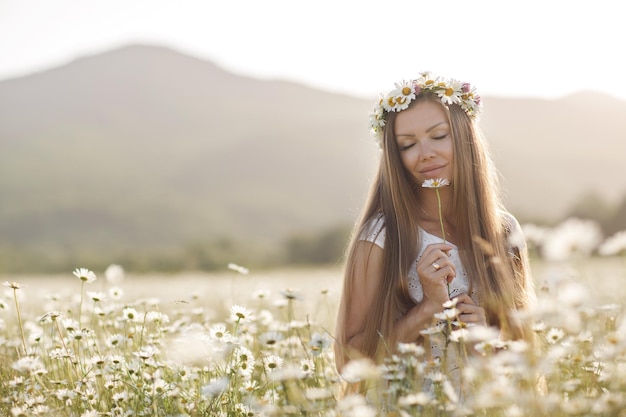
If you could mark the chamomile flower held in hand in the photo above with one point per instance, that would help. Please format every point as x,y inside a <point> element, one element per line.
<point>437,184</point>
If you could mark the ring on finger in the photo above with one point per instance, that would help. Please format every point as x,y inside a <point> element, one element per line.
<point>436,266</point>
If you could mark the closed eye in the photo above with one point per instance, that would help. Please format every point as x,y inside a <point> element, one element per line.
<point>405,147</point>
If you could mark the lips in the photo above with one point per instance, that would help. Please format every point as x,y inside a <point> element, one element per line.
<point>431,169</point>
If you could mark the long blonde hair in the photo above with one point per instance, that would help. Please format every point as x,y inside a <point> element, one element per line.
<point>498,271</point>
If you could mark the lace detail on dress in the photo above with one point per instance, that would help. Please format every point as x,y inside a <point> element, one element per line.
<point>375,233</point>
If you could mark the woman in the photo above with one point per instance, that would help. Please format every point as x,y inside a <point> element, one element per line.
<point>416,247</point>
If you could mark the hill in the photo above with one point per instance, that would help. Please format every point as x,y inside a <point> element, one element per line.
<point>146,147</point>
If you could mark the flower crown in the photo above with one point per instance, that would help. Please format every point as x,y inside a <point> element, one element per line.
<point>449,91</point>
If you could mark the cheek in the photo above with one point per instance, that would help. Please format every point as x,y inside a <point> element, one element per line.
<point>408,160</point>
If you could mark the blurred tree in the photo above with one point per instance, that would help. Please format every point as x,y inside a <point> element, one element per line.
<point>617,222</point>
<point>592,206</point>
<point>325,247</point>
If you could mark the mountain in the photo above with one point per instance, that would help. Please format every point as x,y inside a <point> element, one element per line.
<point>552,153</point>
<point>145,146</point>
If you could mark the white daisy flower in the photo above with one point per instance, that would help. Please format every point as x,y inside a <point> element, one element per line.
<point>377,119</point>
<point>147,352</point>
<point>261,294</point>
<point>403,94</point>
<point>244,354</point>
<point>450,93</point>
<point>96,296</point>
<point>291,294</point>
<point>70,324</point>
<point>28,364</point>
<point>320,342</point>
<point>307,367</point>
<point>50,316</point>
<point>435,183</point>
<point>447,314</point>
<point>78,334</point>
<point>115,340</point>
<point>614,245</point>
<point>271,338</point>
<point>420,398</point>
<point>243,410</point>
<point>240,313</point>
<point>427,80</point>
<point>433,329</point>
<point>554,335</point>
<point>215,387</point>
<point>315,394</point>
<point>114,274</point>
<point>272,363</point>
<point>573,237</point>
<point>360,369</point>
<point>116,293</point>
<point>411,348</point>
<point>85,275</point>
<point>13,285</point>
<point>119,397</point>
<point>237,268</point>
<point>157,317</point>
<point>219,332</point>
<point>388,103</point>
<point>459,335</point>
<point>130,314</point>
<point>249,386</point>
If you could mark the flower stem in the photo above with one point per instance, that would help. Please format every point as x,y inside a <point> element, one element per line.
<point>80,305</point>
<point>443,230</point>
<point>19,320</point>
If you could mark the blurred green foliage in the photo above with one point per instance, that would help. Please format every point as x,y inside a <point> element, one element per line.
<point>303,248</point>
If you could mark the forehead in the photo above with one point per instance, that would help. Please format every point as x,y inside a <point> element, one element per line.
<point>419,117</point>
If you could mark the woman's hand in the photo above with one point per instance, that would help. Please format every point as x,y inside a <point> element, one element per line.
<point>469,312</point>
<point>435,271</point>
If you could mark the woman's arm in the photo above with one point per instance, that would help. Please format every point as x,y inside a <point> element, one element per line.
<point>361,294</point>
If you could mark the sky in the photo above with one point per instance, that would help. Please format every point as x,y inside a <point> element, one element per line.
<point>508,48</point>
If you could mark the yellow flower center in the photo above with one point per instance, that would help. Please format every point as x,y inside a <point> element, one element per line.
<point>449,91</point>
<point>406,91</point>
<point>400,100</point>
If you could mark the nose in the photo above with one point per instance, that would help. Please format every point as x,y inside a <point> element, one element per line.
<point>428,152</point>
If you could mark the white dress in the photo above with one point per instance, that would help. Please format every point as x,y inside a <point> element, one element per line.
<point>375,233</point>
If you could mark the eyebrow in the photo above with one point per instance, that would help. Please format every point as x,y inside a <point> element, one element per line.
<point>427,130</point>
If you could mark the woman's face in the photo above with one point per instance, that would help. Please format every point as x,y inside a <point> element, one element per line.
<point>425,142</point>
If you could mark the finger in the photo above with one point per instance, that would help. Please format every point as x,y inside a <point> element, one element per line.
<point>472,318</point>
<point>443,264</point>
<point>430,265</point>
<point>464,299</point>
<point>447,273</point>
<point>443,248</point>
<point>471,313</point>
<point>469,318</point>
